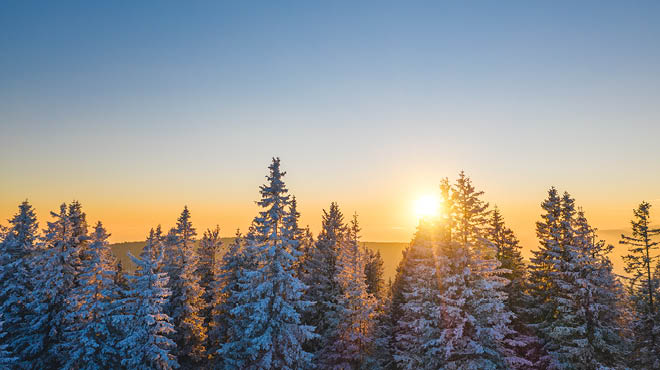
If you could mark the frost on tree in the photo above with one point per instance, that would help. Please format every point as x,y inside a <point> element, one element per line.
<point>418,322</point>
<point>17,245</point>
<point>353,339</point>
<point>320,272</point>
<point>88,337</point>
<point>146,343</point>
<point>185,304</point>
<point>475,322</point>
<point>208,270</point>
<point>573,290</point>
<point>641,263</point>
<point>58,266</point>
<point>267,332</point>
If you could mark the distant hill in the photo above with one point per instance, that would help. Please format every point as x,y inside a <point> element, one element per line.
<point>391,253</point>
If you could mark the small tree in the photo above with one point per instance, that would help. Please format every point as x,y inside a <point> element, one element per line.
<point>640,263</point>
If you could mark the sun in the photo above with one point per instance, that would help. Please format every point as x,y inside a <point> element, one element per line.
<point>427,206</point>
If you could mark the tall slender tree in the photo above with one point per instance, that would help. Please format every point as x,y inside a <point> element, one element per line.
<point>353,337</point>
<point>18,244</point>
<point>475,320</point>
<point>88,335</point>
<point>321,267</point>
<point>418,326</point>
<point>146,344</point>
<point>208,270</point>
<point>640,263</point>
<point>373,271</point>
<point>270,300</point>
<point>185,303</point>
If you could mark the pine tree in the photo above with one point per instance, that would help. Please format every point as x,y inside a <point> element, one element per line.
<point>146,344</point>
<point>270,299</point>
<point>321,267</point>
<point>226,288</point>
<point>207,270</point>
<point>18,243</point>
<point>185,303</point>
<point>353,337</point>
<point>524,342</point>
<point>58,266</point>
<point>88,336</point>
<point>475,320</point>
<point>579,319</point>
<point>417,326</point>
<point>373,271</point>
<point>644,286</point>
<point>601,296</point>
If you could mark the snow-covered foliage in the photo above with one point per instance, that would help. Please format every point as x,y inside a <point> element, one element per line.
<point>574,292</point>
<point>357,308</point>
<point>146,343</point>
<point>185,304</point>
<point>463,297</point>
<point>208,270</point>
<point>320,272</point>
<point>18,243</point>
<point>89,339</point>
<point>266,328</point>
<point>641,263</point>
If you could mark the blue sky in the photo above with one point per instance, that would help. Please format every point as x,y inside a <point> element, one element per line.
<point>369,103</point>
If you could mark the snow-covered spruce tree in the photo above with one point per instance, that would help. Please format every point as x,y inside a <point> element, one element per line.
<point>417,327</point>
<point>58,267</point>
<point>185,304</point>
<point>232,315</point>
<point>507,251</point>
<point>353,339</point>
<point>307,246</point>
<point>373,271</point>
<point>579,326</point>
<point>475,322</point>
<point>7,360</point>
<point>89,341</point>
<point>321,268</point>
<point>295,234</point>
<point>270,299</point>
<point>207,270</point>
<point>603,297</point>
<point>225,289</point>
<point>146,344</point>
<point>645,296</point>
<point>16,247</point>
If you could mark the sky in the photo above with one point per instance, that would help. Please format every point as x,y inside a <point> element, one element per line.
<point>139,108</point>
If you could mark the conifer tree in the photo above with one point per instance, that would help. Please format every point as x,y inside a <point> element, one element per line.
<point>208,269</point>
<point>353,336</point>
<point>17,245</point>
<point>524,341</point>
<point>88,336</point>
<point>146,344</point>
<point>475,320</point>
<point>226,288</point>
<point>373,271</point>
<point>58,267</point>
<point>321,267</point>
<point>578,320</point>
<point>418,325</point>
<point>270,334</point>
<point>645,286</point>
<point>185,304</point>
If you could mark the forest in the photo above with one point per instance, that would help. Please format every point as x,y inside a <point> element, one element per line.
<point>279,297</point>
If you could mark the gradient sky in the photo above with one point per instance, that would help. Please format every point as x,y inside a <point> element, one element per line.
<point>137,108</point>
